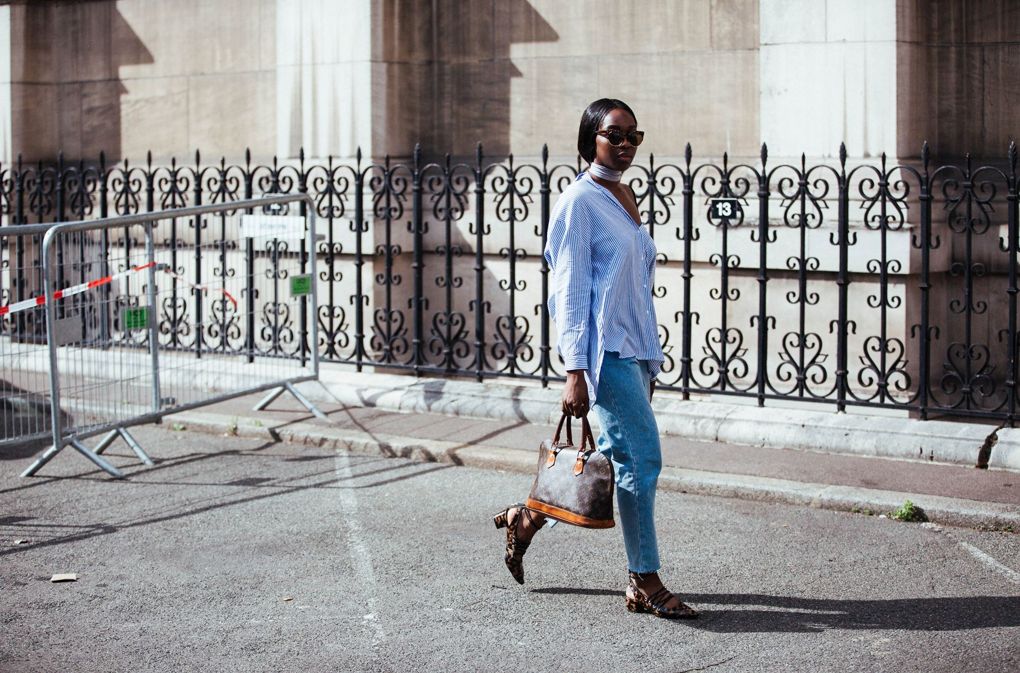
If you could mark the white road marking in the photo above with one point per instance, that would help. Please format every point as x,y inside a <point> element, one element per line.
<point>990,562</point>
<point>984,558</point>
<point>358,549</point>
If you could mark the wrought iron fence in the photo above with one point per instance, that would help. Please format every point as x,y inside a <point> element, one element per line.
<point>845,283</point>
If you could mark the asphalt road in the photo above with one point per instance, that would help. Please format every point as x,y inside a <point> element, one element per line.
<point>237,555</point>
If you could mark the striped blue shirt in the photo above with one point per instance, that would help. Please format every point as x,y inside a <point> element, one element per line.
<point>603,268</point>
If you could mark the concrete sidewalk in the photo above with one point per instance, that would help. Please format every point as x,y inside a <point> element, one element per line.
<point>949,494</point>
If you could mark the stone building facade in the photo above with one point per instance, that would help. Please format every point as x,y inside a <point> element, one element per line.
<point>172,76</point>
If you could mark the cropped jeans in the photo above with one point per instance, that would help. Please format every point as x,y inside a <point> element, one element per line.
<point>630,439</point>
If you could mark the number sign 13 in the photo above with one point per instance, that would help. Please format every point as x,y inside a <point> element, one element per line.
<point>724,209</point>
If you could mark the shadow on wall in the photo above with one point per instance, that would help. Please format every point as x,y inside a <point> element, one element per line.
<point>66,88</point>
<point>447,85</point>
<point>447,76</point>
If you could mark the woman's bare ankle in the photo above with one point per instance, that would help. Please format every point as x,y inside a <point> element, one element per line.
<point>527,525</point>
<point>647,583</point>
<point>650,583</point>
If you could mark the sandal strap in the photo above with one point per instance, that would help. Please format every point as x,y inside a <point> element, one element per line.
<point>661,596</point>
<point>531,519</point>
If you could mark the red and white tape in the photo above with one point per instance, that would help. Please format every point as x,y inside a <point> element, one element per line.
<point>71,291</point>
<point>106,280</point>
<point>193,286</point>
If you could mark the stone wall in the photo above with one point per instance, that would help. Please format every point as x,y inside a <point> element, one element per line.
<point>277,75</point>
<point>973,61</point>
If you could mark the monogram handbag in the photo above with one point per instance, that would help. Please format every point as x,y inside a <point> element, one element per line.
<point>575,487</point>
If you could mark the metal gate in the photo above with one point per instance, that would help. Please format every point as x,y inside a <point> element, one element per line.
<point>148,315</point>
<point>24,383</point>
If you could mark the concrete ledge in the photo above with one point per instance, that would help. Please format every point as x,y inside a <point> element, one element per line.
<point>948,511</point>
<point>714,421</point>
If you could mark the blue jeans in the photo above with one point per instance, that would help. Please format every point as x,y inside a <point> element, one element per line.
<point>630,439</point>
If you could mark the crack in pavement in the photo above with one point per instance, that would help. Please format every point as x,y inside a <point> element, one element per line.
<point>702,668</point>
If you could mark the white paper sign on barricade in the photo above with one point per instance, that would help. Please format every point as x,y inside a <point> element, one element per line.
<point>283,227</point>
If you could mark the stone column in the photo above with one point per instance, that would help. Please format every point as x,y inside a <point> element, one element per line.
<point>5,85</point>
<point>828,73</point>
<point>323,77</point>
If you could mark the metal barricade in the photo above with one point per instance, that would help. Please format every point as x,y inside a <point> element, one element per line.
<point>161,312</point>
<point>24,383</point>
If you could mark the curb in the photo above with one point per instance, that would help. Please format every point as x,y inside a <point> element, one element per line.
<point>700,420</point>
<point>941,510</point>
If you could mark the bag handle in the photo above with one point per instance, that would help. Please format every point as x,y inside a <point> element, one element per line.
<point>587,438</point>
<point>565,418</point>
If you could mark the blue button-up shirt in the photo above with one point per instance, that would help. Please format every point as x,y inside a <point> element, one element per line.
<point>603,268</point>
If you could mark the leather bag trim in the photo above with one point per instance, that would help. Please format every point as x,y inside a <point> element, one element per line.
<point>566,516</point>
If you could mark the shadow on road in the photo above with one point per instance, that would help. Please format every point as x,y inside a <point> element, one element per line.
<point>811,615</point>
<point>576,591</point>
<point>241,491</point>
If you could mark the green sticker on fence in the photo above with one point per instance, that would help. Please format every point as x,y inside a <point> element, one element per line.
<point>300,285</point>
<point>135,318</point>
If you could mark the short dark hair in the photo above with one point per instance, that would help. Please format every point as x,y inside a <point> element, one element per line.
<point>591,121</point>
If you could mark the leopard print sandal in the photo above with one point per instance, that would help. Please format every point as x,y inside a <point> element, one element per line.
<point>515,548</point>
<point>655,604</point>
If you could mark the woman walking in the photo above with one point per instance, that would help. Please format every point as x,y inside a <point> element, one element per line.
<point>602,264</point>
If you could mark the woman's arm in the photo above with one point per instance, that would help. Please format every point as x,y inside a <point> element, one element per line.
<point>569,256</point>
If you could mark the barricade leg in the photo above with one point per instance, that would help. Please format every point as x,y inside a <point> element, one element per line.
<point>47,455</point>
<point>270,398</point>
<point>100,462</point>
<point>44,457</point>
<point>289,388</point>
<point>105,442</point>
<point>129,440</point>
<point>135,446</point>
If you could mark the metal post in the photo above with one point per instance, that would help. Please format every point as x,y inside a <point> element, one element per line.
<point>307,252</point>
<point>150,258</point>
<point>1013,248</point>
<point>51,321</point>
<point>544,189</point>
<point>314,296</point>
<point>842,281</point>
<point>197,222</point>
<point>249,262</point>
<point>359,262</point>
<point>687,237</point>
<point>104,212</point>
<point>480,303</point>
<point>925,356</point>
<point>763,276</point>
<point>417,264</point>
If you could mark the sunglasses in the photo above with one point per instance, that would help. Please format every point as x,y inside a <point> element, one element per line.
<point>616,137</point>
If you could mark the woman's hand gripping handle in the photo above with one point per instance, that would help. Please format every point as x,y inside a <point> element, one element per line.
<point>575,394</point>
